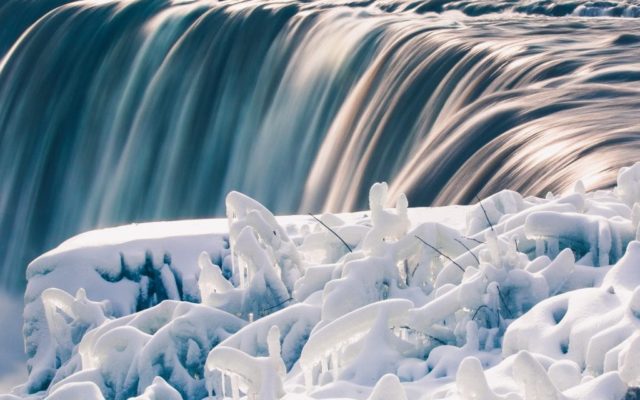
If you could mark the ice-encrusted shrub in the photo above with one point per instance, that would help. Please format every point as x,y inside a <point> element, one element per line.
<point>463,292</point>
<point>248,218</point>
<point>342,348</point>
<point>600,240</point>
<point>294,326</point>
<point>258,377</point>
<point>171,340</point>
<point>628,184</point>
<point>387,225</point>
<point>68,318</point>
<point>265,263</point>
<point>126,269</point>
<point>490,210</point>
<point>606,341</point>
<point>534,299</point>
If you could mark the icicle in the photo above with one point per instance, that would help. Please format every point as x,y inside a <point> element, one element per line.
<point>223,388</point>
<point>634,303</point>
<point>242,267</point>
<point>335,366</point>
<point>604,242</point>
<point>553,247</point>
<point>494,246</point>
<point>235,387</point>
<point>208,382</point>
<point>273,344</point>
<point>308,378</point>
<point>540,247</point>
<point>493,296</point>
<point>211,280</point>
<point>635,215</point>
<point>169,282</point>
<point>193,354</point>
<point>472,339</point>
<point>324,366</point>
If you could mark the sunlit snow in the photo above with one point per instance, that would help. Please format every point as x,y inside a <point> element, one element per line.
<point>512,298</point>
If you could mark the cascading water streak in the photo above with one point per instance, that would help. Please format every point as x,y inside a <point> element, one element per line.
<point>121,111</point>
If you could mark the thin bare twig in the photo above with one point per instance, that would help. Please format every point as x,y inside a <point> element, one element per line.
<point>474,239</point>
<point>426,334</point>
<point>435,339</point>
<point>475,314</point>
<point>332,231</point>
<point>441,253</point>
<point>277,305</point>
<point>504,303</point>
<point>485,213</point>
<point>413,273</point>
<point>468,249</point>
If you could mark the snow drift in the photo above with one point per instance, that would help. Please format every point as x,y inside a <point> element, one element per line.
<point>512,298</point>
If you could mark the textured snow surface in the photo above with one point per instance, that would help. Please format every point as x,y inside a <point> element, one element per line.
<point>511,298</point>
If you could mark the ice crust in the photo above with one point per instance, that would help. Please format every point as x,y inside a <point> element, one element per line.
<point>511,298</point>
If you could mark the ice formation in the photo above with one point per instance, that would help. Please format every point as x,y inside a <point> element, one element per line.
<point>528,298</point>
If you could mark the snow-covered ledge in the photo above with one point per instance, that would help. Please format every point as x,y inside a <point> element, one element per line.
<point>512,298</point>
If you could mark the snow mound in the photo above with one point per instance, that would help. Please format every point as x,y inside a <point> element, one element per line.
<point>529,298</point>
<point>159,350</point>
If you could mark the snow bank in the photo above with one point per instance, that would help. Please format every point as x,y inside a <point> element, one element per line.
<point>512,298</point>
<point>124,357</point>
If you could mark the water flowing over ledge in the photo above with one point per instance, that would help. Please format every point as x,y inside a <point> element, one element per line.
<point>120,111</point>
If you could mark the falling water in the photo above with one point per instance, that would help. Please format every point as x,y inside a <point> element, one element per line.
<point>132,110</point>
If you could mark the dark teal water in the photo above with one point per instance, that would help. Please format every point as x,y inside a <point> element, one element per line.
<point>121,111</point>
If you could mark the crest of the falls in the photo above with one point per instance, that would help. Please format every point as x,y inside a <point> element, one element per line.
<point>118,111</point>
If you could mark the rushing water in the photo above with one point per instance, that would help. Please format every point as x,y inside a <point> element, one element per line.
<point>120,111</point>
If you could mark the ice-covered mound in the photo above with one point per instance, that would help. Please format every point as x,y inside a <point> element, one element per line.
<point>123,356</point>
<point>512,298</point>
<point>127,269</point>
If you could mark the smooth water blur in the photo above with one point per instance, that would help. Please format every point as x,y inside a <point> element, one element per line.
<point>13,369</point>
<point>132,110</point>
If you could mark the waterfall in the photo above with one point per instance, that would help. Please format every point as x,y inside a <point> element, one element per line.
<point>133,110</point>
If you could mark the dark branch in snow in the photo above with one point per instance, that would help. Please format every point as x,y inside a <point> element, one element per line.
<point>441,253</point>
<point>485,213</point>
<point>332,231</point>
<point>433,338</point>
<point>475,314</point>
<point>504,303</point>
<point>277,305</point>
<point>468,249</point>
<point>474,239</point>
